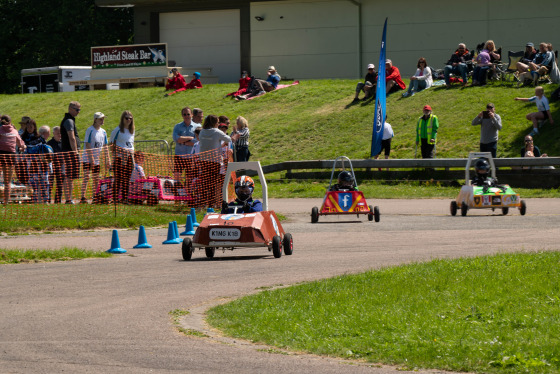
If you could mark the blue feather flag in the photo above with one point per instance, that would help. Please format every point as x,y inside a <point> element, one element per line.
<point>380,100</point>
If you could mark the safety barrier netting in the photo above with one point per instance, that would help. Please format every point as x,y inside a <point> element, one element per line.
<point>98,181</point>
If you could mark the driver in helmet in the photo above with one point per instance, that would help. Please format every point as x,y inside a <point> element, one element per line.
<point>244,202</point>
<point>345,182</point>
<point>482,174</point>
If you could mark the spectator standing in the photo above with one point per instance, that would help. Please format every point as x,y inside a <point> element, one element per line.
<point>240,136</point>
<point>10,142</point>
<point>543,109</point>
<point>31,136</point>
<point>388,134</point>
<point>490,124</point>
<point>46,165</point>
<point>183,136</point>
<point>421,80</point>
<point>122,140</point>
<point>426,132</point>
<point>56,144</point>
<point>23,125</point>
<point>211,139</point>
<point>70,141</point>
<point>393,80</point>
<point>95,142</point>
<point>197,116</point>
<point>368,85</point>
<point>457,65</point>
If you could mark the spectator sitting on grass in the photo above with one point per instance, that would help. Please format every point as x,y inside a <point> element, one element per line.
<point>368,85</point>
<point>393,80</point>
<point>244,82</point>
<point>260,87</point>
<point>543,109</point>
<point>421,80</point>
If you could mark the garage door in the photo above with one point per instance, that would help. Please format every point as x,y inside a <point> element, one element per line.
<point>207,39</point>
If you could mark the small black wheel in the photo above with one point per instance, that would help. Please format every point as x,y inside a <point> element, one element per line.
<point>523,208</point>
<point>314,215</point>
<point>505,211</point>
<point>210,252</point>
<point>276,246</point>
<point>453,208</point>
<point>464,209</point>
<point>370,214</point>
<point>187,249</point>
<point>376,214</point>
<point>288,244</point>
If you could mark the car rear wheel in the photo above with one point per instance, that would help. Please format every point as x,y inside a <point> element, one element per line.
<point>276,246</point>
<point>376,214</point>
<point>464,209</point>
<point>523,208</point>
<point>505,211</point>
<point>288,244</point>
<point>210,252</point>
<point>314,215</point>
<point>453,208</point>
<point>370,214</point>
<point>187,249</point>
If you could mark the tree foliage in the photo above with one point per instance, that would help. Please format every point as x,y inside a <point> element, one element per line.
<point>38,33</point>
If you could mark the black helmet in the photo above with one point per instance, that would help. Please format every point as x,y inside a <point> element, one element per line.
<point>482,167</point>
<point>345,178</point>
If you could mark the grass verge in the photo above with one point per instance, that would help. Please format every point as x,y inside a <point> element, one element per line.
<point>17,256</point>
<point>493,314</point>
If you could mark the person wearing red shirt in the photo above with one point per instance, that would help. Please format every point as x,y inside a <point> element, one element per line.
<point>243,85</point>
<point>176,81</point>
<point>393,80</point>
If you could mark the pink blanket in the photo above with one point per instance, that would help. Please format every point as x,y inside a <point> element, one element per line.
<point>279,87</point>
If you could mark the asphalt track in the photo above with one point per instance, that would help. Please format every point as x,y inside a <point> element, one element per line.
<point>112,315</point>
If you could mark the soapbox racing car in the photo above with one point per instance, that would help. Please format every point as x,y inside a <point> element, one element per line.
<point>230,231</point>
<point>485,197</point>
<point>149,189</point>
<point>343,202</point>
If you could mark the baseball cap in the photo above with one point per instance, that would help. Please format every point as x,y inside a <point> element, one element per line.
<point>24,120</point>
<point>529,45</point>
<point>371,66</point>
<point>387,61</point>
<point>427,107</point>
<point>98,115</point>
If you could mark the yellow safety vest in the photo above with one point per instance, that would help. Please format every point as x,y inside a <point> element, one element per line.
<point>428,129</point>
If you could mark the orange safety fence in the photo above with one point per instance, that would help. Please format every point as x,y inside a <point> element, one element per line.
<point>112,176</point>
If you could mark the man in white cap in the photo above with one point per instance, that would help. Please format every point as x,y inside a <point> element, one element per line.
<point>368,86</point>
<point>95,142</point>
<point>260,87</point>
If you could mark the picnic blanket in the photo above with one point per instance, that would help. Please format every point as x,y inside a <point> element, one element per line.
<point>279,87</point>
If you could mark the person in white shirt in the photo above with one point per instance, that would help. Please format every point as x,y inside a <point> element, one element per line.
<point>122,140</point>
<point>388,134</point>
<point>543,109</point>
<point>421,80</point>
<point>95,143</point>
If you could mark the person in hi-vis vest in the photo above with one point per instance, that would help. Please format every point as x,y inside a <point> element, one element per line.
<point>426,132</point>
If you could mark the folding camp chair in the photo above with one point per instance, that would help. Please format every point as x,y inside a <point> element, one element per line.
<point>507,70</point>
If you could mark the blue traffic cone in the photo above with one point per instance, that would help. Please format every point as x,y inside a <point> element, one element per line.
<point>171,236</point>
<point>189,229</point>
<point>142,240</point>
<point>193,216</point>
<point>209,210</point>
<point>115,244</point>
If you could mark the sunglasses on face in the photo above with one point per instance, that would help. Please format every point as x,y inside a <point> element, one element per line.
<point>186,114</point>
<point>76,109</point>
<point>127,117</point>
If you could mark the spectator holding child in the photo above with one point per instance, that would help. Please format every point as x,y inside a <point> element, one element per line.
<point>530,149</point>
<point>421,80</point>
<point>543,109</point>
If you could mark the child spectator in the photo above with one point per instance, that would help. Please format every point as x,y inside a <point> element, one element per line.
<point>137,173</point>
<point>95,142</point>
<point>543,109</point>
<point>240,136</point>
<point>39,170</point>
<point>196,141</point>
<point>182,86</point>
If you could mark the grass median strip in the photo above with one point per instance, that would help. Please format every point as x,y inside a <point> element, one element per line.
<point>484,314</point>
<point>17,256</point>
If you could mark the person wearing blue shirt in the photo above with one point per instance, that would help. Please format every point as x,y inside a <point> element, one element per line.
<point>184,138</point>
<point>244,202</point>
